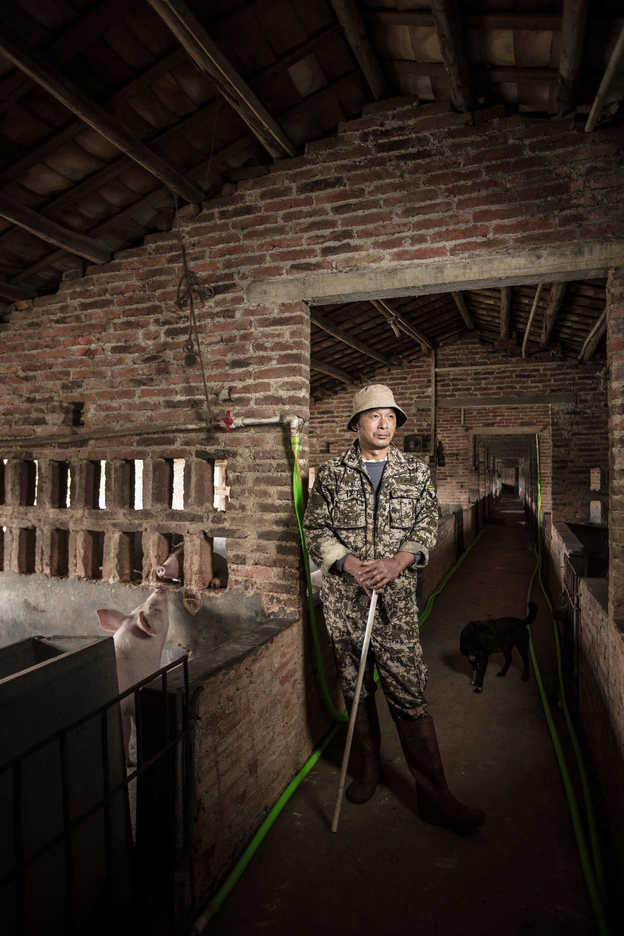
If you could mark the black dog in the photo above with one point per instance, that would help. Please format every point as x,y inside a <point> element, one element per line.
<point>480,638</point>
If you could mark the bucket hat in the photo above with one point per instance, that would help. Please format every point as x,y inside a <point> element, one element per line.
<point>372,396</point>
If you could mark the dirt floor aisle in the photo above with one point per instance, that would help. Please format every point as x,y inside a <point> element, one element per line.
<point>387,873</point>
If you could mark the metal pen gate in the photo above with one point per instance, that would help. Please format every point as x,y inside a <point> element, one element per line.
<point>132,885</point>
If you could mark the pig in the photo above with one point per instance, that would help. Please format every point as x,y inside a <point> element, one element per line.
<point>139,640</point>
<point>172,569</point>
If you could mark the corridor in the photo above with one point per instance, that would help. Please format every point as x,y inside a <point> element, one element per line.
<point>385,872</point>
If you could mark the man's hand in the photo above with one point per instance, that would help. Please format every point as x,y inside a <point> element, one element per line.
<point>376,573</point>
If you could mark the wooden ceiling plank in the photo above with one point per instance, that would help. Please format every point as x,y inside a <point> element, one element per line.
<point>527,331</point>
<point>95,116</point>
<point>331,370</point>
<point>593,339</point>
<point>460,302</point>
<point>53,233</point>
<point>15,293</point>
<point>615,60</point>
<point>396,321</point>
<point>555,304</point>
<point>450,32</point>
<point>354,27</point>
<point>327,326</point>
<point>505,312</point>
<point>73,40</point>
<point>540,22</point>
<point>573,21</point>
<point>206,55</point>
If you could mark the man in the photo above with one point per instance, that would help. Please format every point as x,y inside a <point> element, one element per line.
<point>370,522</point>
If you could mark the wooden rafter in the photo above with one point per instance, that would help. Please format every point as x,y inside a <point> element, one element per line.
<point>331,371</point>
<point>601,99</point>
<point>354,27</point>
<point>399,324</point>
<point>593,339</point>
<point>505,312</point>
<point>94,115</point>
<point>54,233</point>
<point>460,302</point>
<point>498,74</point>
<point>193,37</point>
<point>450,33</point>
<point>336,332</point>
<point>571,55</point>
<point>529,324</point>
<point>555,304</point>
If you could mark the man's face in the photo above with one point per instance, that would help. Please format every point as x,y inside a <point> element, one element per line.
<point>376,428</point>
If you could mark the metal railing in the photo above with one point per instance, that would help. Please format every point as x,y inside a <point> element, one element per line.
<point>115,783</point>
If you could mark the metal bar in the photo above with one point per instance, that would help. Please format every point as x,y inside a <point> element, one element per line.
<point>107,806</point>
<point>67,839</point>
<point>354,708</point>
<point>18,832</point>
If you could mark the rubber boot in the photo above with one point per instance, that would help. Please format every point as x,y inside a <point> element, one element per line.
<point>436,804</point>
<point>367,735</point>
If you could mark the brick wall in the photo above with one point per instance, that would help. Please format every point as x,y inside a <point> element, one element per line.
<point>572,440</point>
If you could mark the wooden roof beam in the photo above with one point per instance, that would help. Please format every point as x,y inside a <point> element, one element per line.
<point>460,302</point>
<point>601,99</point>
<point>193,37</point>
<point>593,339</point>
<point>331,371</point>
<point>95,116</point>
<point>505,312</point>
<point>327,326</point>
<point>449,29</point>
<point>398,323</point>
<point>354,28</point>
<point>529,324</point>
<point>555,304</point>
<point>573,23</point>
<point>54,233</point>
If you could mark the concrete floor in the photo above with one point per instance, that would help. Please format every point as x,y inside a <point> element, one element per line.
<point>388,873</point>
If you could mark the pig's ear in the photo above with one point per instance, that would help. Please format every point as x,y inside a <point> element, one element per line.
<point>144,624</point>
<point>110,619</point>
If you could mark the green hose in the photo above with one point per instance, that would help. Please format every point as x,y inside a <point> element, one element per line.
<point>593,873</point>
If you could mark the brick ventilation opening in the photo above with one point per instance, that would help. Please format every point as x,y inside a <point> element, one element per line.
<point>595,512</point>
<point>92,553</point>
<point>59,553</point>
<point>221,490</point>
<point>95,478</point>
<point>2,532</point>
<point>131,557</point>
<point>219,563</point>
<point>137,487</point>
<point>26,550</point>
<point>3,462</point>
<point>29,477</point>
<point>594,479</point>
<point>177,493</point>
<point>60,490</point>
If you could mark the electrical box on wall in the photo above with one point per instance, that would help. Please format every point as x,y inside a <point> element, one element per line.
<point>416,443</point>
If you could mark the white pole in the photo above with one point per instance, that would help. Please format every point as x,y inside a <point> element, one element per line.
<point>354,708</point>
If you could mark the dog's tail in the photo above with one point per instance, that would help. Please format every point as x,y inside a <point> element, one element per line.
<point>532,613</point>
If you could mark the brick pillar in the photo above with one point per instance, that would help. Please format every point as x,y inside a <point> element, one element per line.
<point>615,360</point>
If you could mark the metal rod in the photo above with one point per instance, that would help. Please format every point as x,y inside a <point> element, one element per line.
<point>18,826</point>
<point>354,708</point>
<point>67,835</point>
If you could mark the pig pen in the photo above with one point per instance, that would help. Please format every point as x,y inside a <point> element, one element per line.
<point>160,791</point>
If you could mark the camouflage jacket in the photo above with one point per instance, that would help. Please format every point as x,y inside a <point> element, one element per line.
<point>344,515</point>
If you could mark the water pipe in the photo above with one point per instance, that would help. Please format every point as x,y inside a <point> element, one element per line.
<point>294,423</point>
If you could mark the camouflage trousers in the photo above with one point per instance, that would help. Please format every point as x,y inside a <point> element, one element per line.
<point>394,648</point>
